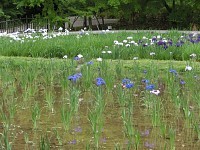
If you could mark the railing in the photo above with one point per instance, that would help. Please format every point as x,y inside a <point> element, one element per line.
<point>20,25</point>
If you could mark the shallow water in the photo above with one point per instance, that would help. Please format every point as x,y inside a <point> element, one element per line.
<point>80,134</point>
<point>22,135</point>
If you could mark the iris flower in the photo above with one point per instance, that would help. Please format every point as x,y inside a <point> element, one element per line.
<point>100,81</point>
<point>145,81</point>
<point>189,68</point>
<point>80,56</point>
<point>65,56</point>
<point>173,71</point>
<point>152,53</point>
<point>150,87</point>
<point>129,85</point>
<point>193,55</point>
<point>125,81</point>
<point>99,59</point>
<point>182,82</point>
<point>75,77</point>
<point>149,145</point>
<point>76,58</point>
<point>90,62</point>
<point>156,92</point>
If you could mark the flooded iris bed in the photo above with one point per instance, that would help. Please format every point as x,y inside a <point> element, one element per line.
<point>109,104</point>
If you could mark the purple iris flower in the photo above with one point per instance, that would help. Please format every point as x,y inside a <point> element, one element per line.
<point>197,41</point>
<point>144,45</point>
<point>124,81</point>
<point>129,85</point>
<point>72,78</point>
<point>76,58</point>
<point>178,44</point>
<point>100,81</point>
<point>145,81</point>
<point>90,62</point>
<point>78,129</point>
<point>78,75</point>
<point>173,71</point>
<point>148,145</point>
<point>182,82</point>
<point>192,41</point>
<point>103,140</point>
<point>154,39</point>
<point>160,43</point>
<point>170,43</point>
<point>75,77</point>
<point>145,133</point>
<point>165,46</point>
<point>150,87</point>
<point>190,35</point>
<point>72,142</point>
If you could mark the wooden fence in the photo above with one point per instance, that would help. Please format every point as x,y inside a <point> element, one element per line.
<point>21,24</point>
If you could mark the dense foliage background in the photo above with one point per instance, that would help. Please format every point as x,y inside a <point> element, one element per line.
<point>133,14</point>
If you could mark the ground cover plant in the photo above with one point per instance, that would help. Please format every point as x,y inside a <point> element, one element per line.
<point>91,98</point>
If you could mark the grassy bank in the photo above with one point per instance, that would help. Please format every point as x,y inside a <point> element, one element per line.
<point>124,45</point>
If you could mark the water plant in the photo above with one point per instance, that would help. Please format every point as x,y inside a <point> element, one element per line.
<point>172,138</point>
<point>50,99</point>
<point>5,137</point>
<point>35,115</point>
<point>44,143</point>
<point>66,117</point>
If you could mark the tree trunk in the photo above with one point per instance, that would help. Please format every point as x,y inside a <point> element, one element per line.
<point>167,6</point>
<point>72,25</point>
<point>102,18</point>
<point>90,22</point>
<point>85,21</point>
<point>99,25</point>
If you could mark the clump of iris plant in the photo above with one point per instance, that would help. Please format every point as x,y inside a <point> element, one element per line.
<point>75,77</point>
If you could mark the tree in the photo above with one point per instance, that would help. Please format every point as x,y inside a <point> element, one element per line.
<point>8,10</point>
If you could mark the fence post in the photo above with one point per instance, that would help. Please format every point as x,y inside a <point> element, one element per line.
<point>13,26</point>
<point>26,23</point>
<point>6,26</point>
